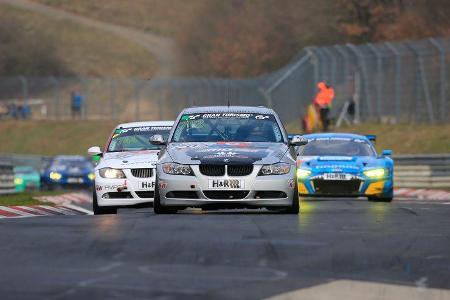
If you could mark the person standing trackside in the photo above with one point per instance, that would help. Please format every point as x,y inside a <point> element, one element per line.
<point>323,101</point>
<point>76,104</point>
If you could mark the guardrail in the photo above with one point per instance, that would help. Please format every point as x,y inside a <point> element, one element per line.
<point>6,178</point>
<point>411,171</point>
<point>422,171</point>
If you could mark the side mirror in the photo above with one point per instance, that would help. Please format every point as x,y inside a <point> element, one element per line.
<point>298,140</point>
<point>93,151</point>
<point>386,153</point>
<point>157,139</point>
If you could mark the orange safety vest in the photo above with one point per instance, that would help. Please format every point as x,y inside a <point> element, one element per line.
<point>325,95</point>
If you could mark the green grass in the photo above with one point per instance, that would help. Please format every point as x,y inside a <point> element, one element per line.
<point>53,137</point>
<point>402,138</point>
<point>74,137</point>
<point>85,51</point>
<point>25,198</point>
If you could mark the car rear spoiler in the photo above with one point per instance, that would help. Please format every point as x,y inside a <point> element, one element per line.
<point>372,138</point>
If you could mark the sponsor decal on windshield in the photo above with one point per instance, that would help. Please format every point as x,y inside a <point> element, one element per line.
<point>226,116</point>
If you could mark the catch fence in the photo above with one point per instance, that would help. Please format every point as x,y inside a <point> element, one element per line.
<point>388,82</point>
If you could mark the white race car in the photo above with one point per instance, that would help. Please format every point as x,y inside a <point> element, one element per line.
<point>125,174</point>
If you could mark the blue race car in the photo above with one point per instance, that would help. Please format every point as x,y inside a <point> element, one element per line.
<point>344,165</point>
<point>68,171</point>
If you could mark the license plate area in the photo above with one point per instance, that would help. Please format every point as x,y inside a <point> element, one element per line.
<point>226,184</point>
<point>146,185</point>
<point>337,176</point>
<point>74,180</point>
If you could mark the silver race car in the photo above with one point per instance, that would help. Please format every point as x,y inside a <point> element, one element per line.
<point>125,174</point>
<point>227,157</point>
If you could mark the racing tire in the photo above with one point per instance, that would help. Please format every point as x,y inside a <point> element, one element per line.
<point>157,207</point>
<point>98,210</point>
<point>294,209</point>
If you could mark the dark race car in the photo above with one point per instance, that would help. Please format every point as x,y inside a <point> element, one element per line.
<point>67,171</point>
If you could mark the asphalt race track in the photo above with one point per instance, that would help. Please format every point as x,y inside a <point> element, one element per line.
<point>336,249</point>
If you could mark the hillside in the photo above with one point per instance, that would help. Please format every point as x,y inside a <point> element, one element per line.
<point>79,50</point>
<point>158,16</point>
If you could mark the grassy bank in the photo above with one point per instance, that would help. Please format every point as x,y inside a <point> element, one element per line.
<point>74,137</point>
<point>53,137</point>
<point>25,199</point>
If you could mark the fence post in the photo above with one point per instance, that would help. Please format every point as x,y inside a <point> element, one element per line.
<point>24,83</point>
<point>315,62</point>
<point>363,80</point>
<point>398,72</point>
<point>379,77</point>
<point>424,82</point>
<point>56,95</point>
<point>443,79</point>
<point>332,61</point>
<point>349,93</point>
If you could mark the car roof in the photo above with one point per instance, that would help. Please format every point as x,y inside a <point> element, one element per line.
<point>335,135</point>
<point>146,123</point>
<point>226,109</point>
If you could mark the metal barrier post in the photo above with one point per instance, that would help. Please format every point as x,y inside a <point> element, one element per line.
<point>379,77</point>
<point>332,61</point>
<point>362,63</point>
<point>443,79</point>
<point>423,80</point>
<point>397,85</point>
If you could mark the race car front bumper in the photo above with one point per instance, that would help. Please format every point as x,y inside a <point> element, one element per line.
<point>257,191</point>
<point>356,187</point>
<point>124,192</point>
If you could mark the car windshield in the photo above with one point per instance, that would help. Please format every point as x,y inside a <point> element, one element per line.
<point>67,163</point>
<point>136,138</point>
<point>228,127</point>
<point>24,170</point>
<point>337,147</point>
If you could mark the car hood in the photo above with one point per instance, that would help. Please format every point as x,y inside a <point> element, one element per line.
<point>131,159</point>
<point>227,153</point>
<point>347,164</point>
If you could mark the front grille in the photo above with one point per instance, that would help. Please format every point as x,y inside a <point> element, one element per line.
<point>142,173</point>
<point>212,170</point>
<point>226,195</point>
<point>270,195</point>
<point>336,187</point>
<point>182,194</point>
<point>239,170</point>
<point>146,194</point>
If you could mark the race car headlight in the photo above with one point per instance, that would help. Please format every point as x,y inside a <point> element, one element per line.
<point>18,181</point>
<point>55,176</point>
<point>275,169</point>
<point>302,173</point>
<point>177,169</point>
<point>111,173</point>
<point>91,176</point>
<point>375,173</point>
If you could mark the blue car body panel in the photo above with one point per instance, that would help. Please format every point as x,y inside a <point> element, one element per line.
<point>345,175</point>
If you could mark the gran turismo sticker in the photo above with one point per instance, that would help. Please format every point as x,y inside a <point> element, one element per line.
<point>226,116</point>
